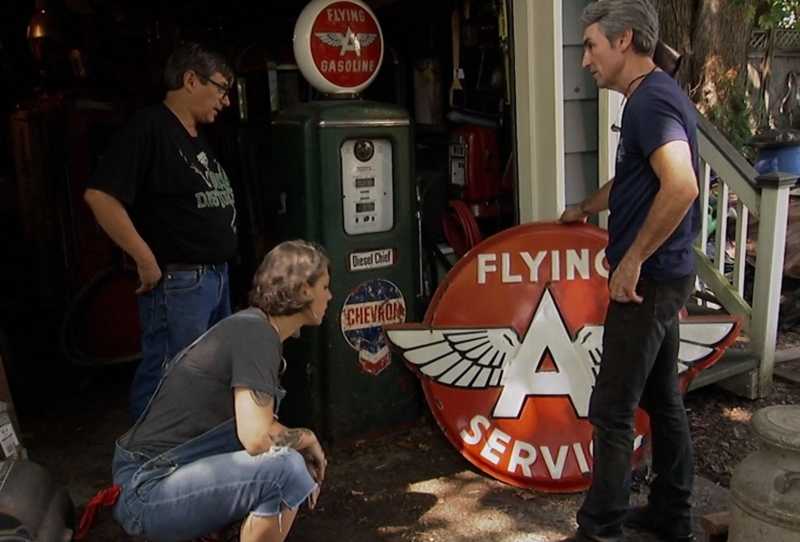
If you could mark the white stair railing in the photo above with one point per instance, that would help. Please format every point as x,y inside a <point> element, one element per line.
<point>766,197</point>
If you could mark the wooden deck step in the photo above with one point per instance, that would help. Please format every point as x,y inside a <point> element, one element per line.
<point>732,363</point>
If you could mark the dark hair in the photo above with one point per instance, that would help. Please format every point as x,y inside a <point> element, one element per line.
<point>192,56</point>
<point>617,16</point>
<point>278,283</point>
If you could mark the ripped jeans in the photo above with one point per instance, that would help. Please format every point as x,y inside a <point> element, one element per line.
<point>205,484</point>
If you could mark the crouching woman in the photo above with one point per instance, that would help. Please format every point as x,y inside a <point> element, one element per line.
<point>208,451</point>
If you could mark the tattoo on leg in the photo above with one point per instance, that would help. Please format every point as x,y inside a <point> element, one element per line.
<point>290,437</point>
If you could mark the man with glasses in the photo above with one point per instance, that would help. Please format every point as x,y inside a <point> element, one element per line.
<point>163,197</point>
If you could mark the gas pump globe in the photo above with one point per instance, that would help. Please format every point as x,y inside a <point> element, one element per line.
<point>345,170</point>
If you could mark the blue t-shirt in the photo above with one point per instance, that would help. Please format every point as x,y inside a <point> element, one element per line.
<point>657,112</point>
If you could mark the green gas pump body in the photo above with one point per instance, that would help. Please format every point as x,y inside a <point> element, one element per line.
<point>364,213</point>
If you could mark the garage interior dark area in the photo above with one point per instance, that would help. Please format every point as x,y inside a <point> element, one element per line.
<point>68,92</point>
<point>75,70</point>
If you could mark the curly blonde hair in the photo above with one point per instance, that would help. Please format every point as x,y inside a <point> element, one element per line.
<point>278,282</point>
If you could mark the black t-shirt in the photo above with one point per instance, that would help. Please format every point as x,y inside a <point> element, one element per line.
<point>658,112</point>
<point>177,193</point>
<point>242,351</point>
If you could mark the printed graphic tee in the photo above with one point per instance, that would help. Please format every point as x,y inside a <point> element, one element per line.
<point>177,193</point>
<point>657,113</point>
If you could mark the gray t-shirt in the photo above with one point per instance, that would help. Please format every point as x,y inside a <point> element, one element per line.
<point>242,350</point>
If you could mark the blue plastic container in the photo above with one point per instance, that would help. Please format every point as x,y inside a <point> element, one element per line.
<point>785,158</point>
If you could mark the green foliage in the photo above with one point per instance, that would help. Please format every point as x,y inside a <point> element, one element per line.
<point>732,115</point>
<point>779,14</point>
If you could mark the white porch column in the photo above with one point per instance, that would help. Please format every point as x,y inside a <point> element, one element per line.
<point>538,75</point>
<point>609,103</point>
<point>772,220</point>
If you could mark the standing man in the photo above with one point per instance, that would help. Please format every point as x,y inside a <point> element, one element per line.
<point>161,195</point>
<point>652,200</point>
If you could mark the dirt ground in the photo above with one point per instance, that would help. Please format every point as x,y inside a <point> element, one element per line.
<point>408,486</point>
<point>721,425</point>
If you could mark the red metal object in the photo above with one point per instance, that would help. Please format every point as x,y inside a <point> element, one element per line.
<point>481,174</point>
<point>510,347</point>
<point>460,228</point>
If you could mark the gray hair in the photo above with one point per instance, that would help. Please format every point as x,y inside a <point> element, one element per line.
<point>192,56</point>
<point>278,283</point>
<point>617,16</point>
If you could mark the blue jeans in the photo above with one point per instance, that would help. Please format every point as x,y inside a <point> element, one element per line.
<point>172,315</point>
<point>639,367</point>
<point>204,484</point>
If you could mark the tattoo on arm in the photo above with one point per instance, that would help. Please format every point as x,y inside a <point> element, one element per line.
<point>262,399</point>
<point>290,437</point>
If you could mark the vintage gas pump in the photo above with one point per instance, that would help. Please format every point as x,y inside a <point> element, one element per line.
<point>345,168</point>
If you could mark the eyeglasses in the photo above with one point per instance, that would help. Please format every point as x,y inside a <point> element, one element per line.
<point>223,90</point>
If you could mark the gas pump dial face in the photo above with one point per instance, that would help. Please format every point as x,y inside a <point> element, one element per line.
<point>364,149</point>
<point>367,190</point>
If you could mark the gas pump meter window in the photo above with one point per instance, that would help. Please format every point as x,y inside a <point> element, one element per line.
<point>367,186</point>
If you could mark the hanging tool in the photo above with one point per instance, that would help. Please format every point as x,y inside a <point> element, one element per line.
<point>456,89</point>
<point>505,46</point>
<point>469,28</point>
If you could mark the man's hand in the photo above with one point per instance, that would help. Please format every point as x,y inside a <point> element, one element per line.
<point>622,286</point>
<point>573,213</point>
<point>149,275</point>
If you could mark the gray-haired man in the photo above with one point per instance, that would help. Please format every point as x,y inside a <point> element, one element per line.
<point>653,222</point>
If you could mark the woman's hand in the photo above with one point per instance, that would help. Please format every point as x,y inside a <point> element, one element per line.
<point>315,459</point>
<point>313,497</point>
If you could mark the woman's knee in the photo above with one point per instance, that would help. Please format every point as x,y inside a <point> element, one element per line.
<point>295,469</point>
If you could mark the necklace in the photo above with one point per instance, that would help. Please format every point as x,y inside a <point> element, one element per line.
<point>274,325</point>
<point>278,331</point>
<point>617,127</point>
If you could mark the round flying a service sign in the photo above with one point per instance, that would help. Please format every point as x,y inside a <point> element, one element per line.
<point>510,348</point>
<point>338,45</point>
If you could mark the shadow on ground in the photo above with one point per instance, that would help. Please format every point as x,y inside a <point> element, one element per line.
<point>407,486</point>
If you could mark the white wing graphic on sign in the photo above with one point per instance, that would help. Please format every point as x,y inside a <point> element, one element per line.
<point>366,39</point>
<point>334,39</point>
<point>698,341</point>
<point>479,358</point>
<point>465,358</point>
<point>589,347</point>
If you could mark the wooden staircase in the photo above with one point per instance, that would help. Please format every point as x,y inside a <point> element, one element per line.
<point>746,372</point>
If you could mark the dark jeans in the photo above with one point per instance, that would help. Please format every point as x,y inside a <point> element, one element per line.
<point>172,315</point>
<point>639,367</point>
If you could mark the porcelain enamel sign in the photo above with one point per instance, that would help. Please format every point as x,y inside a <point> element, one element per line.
<point>338,45</point>
<point>510,348</point>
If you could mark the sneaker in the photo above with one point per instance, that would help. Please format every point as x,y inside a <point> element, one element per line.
<point>641,518</point>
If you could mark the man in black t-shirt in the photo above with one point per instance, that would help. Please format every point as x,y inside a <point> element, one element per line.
<point>652,200</point>
<point>163,197</point>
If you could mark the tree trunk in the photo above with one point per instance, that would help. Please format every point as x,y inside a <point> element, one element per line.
<point>713,36</point>
<point>720,38</point>
<point>675,21</point>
